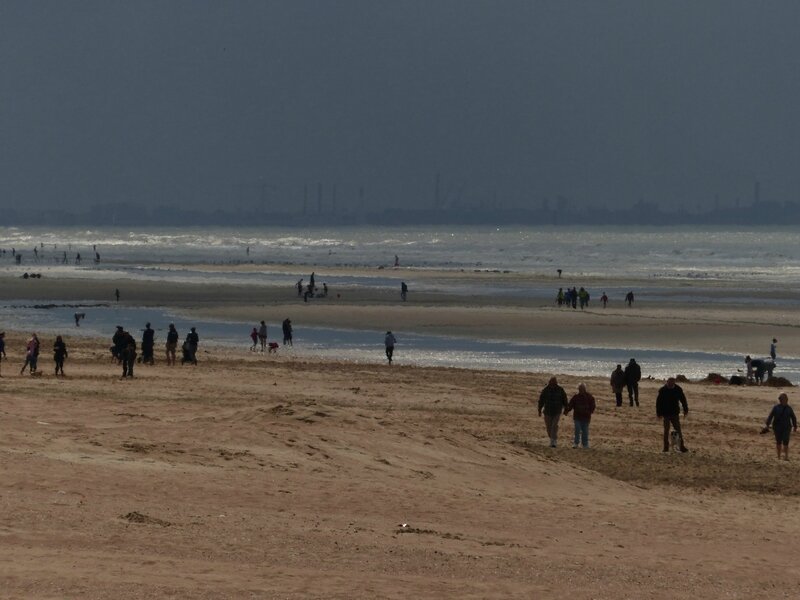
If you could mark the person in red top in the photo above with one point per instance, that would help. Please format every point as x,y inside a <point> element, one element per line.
<point>583,405</point>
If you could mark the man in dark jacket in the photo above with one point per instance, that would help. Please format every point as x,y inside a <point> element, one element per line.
<point>553,401</point>
<point>128,354</point>
<point>668,404</point>
<point>633,373</point>
<point>148,340</point>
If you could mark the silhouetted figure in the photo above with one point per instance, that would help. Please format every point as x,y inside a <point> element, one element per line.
<point>254,337</point>
<point>668,404</point>
<point>617,381</point>
<point>128,355</point>
<point>262,336</point>
<point>59,354</point>
<point>116,293</point>
<point>190,347</point>
<point>118,343</point>
<point>287,332</point>
<point>633,373</point>
<point>783,421</point>
<point>403,290</point>
<point>389,341</point>
<point>172,344</point>
<point>148,343</point>
<point>629,298</point>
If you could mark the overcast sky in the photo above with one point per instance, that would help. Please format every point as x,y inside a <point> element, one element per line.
<point>201,102</point>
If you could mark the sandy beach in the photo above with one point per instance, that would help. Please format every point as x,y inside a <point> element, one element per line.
<point>273,476</point>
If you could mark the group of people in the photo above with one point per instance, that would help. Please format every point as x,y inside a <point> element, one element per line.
<point>628,378</point>
<point>124,349</point>
<point>553,403</point>
<point>670,404</point>
<point>311,290</point>
<point>580,297</point>
<point>757,367</point>
<point>32,348</point>
<point>259,335</point>
<point>572,297</point>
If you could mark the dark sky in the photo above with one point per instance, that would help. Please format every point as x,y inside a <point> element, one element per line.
<point>203,102</point>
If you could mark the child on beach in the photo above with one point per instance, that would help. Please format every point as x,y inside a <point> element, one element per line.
<point>254,337</point>
<point>783,421</point>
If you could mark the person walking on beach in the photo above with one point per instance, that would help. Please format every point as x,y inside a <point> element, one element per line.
<point>773,351</point>
<point>553,402</point>
<point>118,343</point>
<point>669,402</point>
<point>59,354</point>
<point>560,297</point>
<point>583,298</point>
<point>254,337</point>
<point>633,374</point>
<point>116,293</point>
<point>403,290</point>
<point>31,355</point>
<point>389,341</point>
<point>783,421</point>
<point>629,298</point>
<point>583,405</point>
<point>300,288</point>
<point>148,342</point>
<point>287,332</point>
<point>573,296</point>
<point>172,344</point>
<point>190,346</point>
<point>262,336</point>
<point>128,355</point>
<point>604,299</point>
<point>618,383</point>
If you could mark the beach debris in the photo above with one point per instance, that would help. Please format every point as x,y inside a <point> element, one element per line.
<point>779,382</point>
<point>42,423</point>
<point>137,517</point>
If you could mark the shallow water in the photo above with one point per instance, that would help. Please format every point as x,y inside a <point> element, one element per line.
<point>367,345</point>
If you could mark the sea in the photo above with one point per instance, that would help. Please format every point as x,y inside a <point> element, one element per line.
<point>758,266</point>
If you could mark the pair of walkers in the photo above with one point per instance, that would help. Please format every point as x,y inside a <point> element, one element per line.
<point>628,378</point>
<point>553,403</point>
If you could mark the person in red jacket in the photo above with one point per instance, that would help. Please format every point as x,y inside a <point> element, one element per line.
<point>583,405</point>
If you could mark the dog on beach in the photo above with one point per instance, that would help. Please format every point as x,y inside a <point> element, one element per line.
<point>674,441</point>
<point>273,347</point>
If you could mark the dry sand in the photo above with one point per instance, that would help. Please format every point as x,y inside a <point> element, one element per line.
<point>255,476</point>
